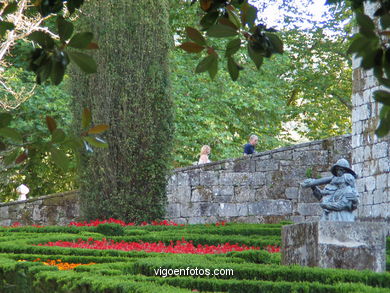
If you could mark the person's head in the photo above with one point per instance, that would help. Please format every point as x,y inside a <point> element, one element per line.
<point>253,139</point>
<point>205,150</point>
<point>339,171</point>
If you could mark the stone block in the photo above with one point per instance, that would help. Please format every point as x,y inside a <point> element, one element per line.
<point>291,192</point>
<point>209,178</point>
<point>194,177</point>
<point>342,245</point>
<point>284,155</point>
<point>183,193</point>
<point>381,182</point>
<point>242,165</point>
<point>183,179</point>
<point>234,179</point>
<point>4,212</point>
<point>384,165</point>
<point>202,193</point>
<point>267,165</point>
<point>380,150</point>
<point>172,210</point>
<point>257,178</point>
<point>370,183</point>
<point>243,194</point>
<point>227,210</point>
<point>309,209</point>
<point>270,207</point>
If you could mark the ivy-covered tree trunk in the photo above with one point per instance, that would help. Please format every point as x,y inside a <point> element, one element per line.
<point>131,94</point>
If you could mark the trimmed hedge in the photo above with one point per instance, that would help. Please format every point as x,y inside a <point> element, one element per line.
<point>134,271</point>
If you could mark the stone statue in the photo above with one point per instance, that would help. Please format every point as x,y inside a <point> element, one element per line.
<point>339,197</point>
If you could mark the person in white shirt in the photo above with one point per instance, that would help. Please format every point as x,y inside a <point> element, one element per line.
<point>204,155</point>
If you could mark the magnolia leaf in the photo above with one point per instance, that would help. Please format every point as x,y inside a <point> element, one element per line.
<point>221,31</point>
<point>10,158</point>
<point>257,58</point>
<point>11,133</point>
<point>23,156</point>
<point>213,68</point>
<point>86,118</point>
<point>98,129</point>
<point>382,97</point>
<point>233,68</point>
<point>96,142</point>
<point>83,61</point>
<point>92,46</point>
<point>5,119</point>
<point>81,40</point>
<point>232,47</point>
<point>234,18</point>
<point>58,136</point>
<point>65,28</point>
<point>59,157</point>
<point>42,38</point>
<point>191,47</point>
<point>204,64</point>
<point>209,19</point>
<point>365,21</point>
<point>385,21</point>
<point>276,42</point>
<point>196,36</point>
<point>51,124</point>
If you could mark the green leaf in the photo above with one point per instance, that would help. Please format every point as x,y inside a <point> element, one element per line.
<point>58,136</point>
<point>357,45</point>
<point>96,143</point>
<point>257,58</point>
<point>10,8</point>
<point>59,157</point>
<point>42,38</point>
<point>213,68</point>
<point>51,124</point>
<point>191,47</point>
<point>205,64</point>
<point>248,15</point>
<point>233,68</point>
<point>382,97</point>
<point>221,31</point>
<point>365,21</point>
<point>65,28</point>
<point>234,18</point>
<point>209,19</point>
<point>196,36</point>
<point>5,119</point>
<point>232,47</point>
<point>276,42</point>
<point>98,129</point>
<point>384,81</point>
<point>9,159</point>
<point>3,147</point>
<point>86,118</point>
<point>4,26</point>
<point>385,21</point>
<point>81,40</point>
<point>11,133</point>
<point>84,61</point>
<point>57,72</point>
<point>23,156</point>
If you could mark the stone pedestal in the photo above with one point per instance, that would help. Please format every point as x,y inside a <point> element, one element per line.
<point>344,245</point>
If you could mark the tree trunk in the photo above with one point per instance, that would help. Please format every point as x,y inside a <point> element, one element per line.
<point>131,94</point>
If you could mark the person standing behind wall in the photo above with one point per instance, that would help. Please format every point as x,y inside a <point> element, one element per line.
<point>249,148</point>
<point>204,155</point>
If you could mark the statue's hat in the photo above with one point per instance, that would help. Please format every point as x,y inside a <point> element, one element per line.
<point>343,163</point>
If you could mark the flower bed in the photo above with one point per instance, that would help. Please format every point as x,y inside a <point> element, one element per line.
<point>127,260</point>
<point>160,247</point>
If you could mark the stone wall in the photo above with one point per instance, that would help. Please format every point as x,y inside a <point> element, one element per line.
<point>258,188</point>
<point>370,155</point>
<point>55,209</point>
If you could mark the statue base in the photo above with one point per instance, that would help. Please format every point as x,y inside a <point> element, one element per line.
<point>343,245</point>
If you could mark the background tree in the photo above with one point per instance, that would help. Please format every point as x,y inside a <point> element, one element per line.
<point>131,94</point>
<point>309,86</point>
